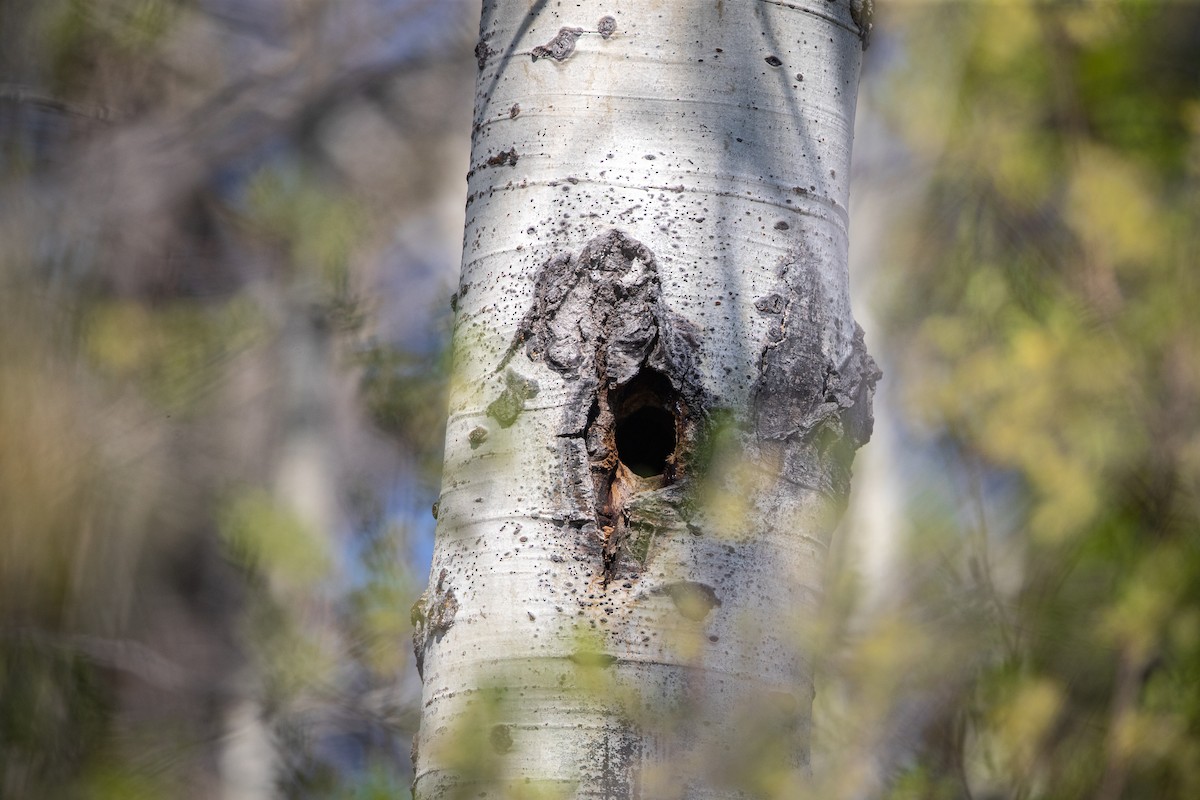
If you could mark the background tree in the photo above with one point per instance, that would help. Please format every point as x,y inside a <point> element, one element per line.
<point>657,390</point>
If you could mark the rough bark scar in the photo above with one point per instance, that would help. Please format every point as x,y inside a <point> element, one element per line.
<point>814,412</point>
<point>560,47</point>
<point>598,318</point>
<point>431,616</point>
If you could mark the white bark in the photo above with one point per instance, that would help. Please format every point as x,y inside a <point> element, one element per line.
<point>656,220</point>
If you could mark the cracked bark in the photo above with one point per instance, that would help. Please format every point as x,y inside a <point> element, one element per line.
<point>658,389</point>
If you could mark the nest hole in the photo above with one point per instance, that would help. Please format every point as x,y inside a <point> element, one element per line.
<point>645,425</point>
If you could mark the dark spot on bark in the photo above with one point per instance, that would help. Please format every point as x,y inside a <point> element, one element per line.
<point>477,436</point>
<point>501,738</point>
<point>606,27</point>
<point>506,158</point>
<point>482,53</point>
<point>773,61</point>
<point>781,226</point>
<point>508,406</point>
<point>692,600</point>
<point>863,12</point>
<point>431,616</point>
<point>560,47</point>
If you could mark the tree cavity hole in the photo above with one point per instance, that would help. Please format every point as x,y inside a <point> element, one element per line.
<point>645,426</point>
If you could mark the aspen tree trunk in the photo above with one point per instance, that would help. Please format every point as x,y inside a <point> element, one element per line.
<point>658,388</point>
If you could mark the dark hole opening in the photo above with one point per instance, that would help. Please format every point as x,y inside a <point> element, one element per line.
<point>645,439</point>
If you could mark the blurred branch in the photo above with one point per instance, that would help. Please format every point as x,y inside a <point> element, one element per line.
<point>123,655</point>
<point>25,95</point>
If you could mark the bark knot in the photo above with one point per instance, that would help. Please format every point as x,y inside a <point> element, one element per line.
<point>560,47</point>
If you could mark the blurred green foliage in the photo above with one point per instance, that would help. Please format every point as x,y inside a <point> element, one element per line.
<point>1041,326</point>
<point>215,439</point>
<point>172,351</point>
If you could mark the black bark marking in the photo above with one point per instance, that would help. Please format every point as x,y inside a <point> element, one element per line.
<point>599,319</point>
<point>477,436</point>
<point>692,600</point>
<point>560,47</point>
<point>482,53</point>
<point>508,406</point>
<point>505,158</point>
<point>614,758</point>
<point>431,616</point>
<point>815,414</point>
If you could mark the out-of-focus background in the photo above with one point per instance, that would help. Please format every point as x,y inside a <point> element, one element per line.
<point>228,236</point>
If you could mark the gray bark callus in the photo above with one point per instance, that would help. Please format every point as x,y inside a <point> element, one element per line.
<point>812,412</point>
